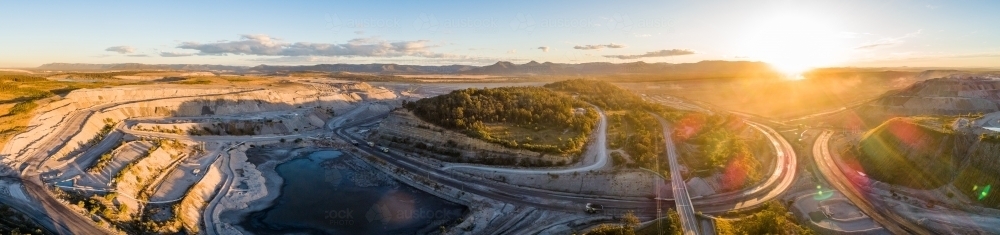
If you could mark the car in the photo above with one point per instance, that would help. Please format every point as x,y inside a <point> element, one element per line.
<point>593,208</point>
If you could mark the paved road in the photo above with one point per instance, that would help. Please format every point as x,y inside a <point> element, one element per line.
<point>780,179</point>
<point>833,174</point>
<point>59,212</point>
<point>543,199</point>
<point>208,215</point>
<point>600,143</point>
<point>685,209</point>
<point>774,186</point>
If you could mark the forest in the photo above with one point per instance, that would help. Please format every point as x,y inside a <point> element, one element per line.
<point>632,127</point>
<point>721,149</point>
<point>639,135</point>
<point>605,95</point>
<point>473,111</point>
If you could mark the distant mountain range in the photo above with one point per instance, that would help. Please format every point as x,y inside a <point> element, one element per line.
<point>715,68</point>
<point>137,66</point>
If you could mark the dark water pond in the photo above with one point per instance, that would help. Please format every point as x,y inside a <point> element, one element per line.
<point>326,193</point>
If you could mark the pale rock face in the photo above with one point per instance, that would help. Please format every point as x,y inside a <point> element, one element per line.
<point>950,95</point>
<point>119,103</point>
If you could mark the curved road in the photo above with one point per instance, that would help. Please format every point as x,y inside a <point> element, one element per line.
<point>502,192</point>
<point>833,174</point>
<point>779,180</point>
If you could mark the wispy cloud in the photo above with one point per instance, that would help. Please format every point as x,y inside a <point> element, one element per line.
<point>660,53</point>
<point>598,47</point>
<point>885,42</point>
<point>121,49</point>
<point>265,45</point>
<point>544,49</point>
<point>139,55</point>
<point>175,54</point>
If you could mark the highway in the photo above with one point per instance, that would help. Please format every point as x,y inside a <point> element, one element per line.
<point>834,174</point>
<point>779,180</point>
<point>685,209</point>
<point>59,212</point>
<point>775,185</point>
<point>543,199</point>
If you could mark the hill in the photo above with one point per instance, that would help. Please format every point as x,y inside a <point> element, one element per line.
<point>703,69</point>
<point>945,96</point>
<point>365,68</point>
<point>515,117</point>
<point>630,71</point>
<point>932,152</point>
<point>631,127</point>
<point>911,152</point>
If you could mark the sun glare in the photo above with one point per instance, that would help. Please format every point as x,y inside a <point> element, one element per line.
<point>792,42</point>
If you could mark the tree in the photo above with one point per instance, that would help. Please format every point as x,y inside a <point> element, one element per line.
<point>630,220</point>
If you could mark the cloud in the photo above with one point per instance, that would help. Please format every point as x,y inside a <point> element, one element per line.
<point>174,54</point>
<point>598,47</point>
<point>264,45</point>
<point>139,55</point>
<point>513,51</point>
<point>121,49</point>
<point>544,49</point>
<point>886,42</point>
<point>660,53</point>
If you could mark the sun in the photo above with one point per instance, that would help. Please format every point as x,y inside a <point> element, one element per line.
<point>792,42</point>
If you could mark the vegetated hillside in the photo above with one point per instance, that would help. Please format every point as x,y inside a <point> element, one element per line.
<point>631,126</point>
<point>910,152</point>
<point>774,218</point>
<point>605,95</point>
<point>516,117</point>
<point>108,75</point>
<point>637,134</point>
<point>930,152</point>
<point>19,95</point>
<point>14,222</point>
<point>726,150</point>
<point>982,171</point>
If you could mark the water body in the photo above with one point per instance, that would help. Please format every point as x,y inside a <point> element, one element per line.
<point>327,193</point>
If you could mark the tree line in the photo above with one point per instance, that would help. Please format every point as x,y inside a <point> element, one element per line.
<point>605,95</point>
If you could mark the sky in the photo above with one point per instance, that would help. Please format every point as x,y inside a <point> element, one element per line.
<point>792,35</point>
